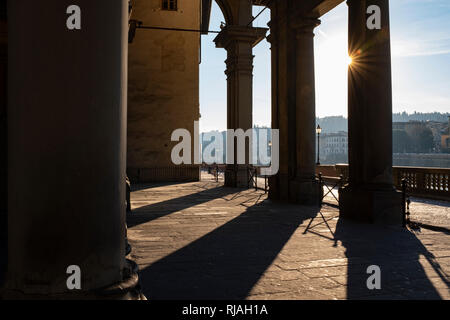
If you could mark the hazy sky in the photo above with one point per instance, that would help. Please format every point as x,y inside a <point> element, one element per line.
<point>420,44</point>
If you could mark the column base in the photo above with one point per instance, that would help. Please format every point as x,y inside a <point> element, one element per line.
<point>279,187</point>
<point>274,193</point>
<point>128,289</point>
<point>237,177</point>
<point>305,191</point>
<point>370,205</point>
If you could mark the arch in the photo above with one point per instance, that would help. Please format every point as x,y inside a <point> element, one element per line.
<point>226,11</point>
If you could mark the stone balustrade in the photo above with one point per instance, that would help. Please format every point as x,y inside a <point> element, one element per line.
<point>423,182</point>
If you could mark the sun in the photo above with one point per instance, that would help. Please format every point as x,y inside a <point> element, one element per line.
<point>349,60</point>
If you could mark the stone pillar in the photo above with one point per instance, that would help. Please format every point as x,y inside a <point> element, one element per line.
<point>282,39</point>
<point>274,187</point>
<point>239,41</point>
<point>66,144</point>
<point>305,188</point>
<point>370,195</point>
<point>3,140</point>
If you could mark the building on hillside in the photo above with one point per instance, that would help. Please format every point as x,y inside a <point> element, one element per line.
<point>436,128</point>
<point>262,143</point>
<point>217,153</point>
<point>333,147</point>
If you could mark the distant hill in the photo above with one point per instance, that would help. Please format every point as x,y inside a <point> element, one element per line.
<point>339,123</point>
<point>418,116</point>
<point>332,124</point>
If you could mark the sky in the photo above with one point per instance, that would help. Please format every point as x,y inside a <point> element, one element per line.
<point>420,47</point>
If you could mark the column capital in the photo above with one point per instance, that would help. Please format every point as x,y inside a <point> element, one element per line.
<point>233,33</point>
<point>304,25</point>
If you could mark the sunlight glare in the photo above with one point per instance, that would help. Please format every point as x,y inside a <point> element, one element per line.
<point>349,60</point>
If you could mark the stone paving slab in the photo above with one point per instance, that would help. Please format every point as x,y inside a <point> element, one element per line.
<point>205,241</point>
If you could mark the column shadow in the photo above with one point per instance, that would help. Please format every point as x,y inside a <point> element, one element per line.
<point>401,257</point>
<point>227,262</point>
<point>156,210</point>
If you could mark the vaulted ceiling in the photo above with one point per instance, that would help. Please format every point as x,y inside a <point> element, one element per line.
<point>239,12</point>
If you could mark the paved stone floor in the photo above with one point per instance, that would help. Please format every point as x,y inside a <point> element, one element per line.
<point>204,241</point>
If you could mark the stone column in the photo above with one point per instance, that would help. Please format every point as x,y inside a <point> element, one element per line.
<point>3,140</point>
<point>282,39</point>
<point>274,187</point>
<point>304,188</point>
<point>239,41</point>
<point>370,195</point>
<point>66,144</point>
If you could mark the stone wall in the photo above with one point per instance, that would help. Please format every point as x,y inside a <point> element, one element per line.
<point>163,91</point>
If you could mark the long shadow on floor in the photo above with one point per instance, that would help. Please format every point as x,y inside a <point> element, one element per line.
<point>227,262</point>
<point>142,186</point>
<point>156,210</point>
<point>397,252</point>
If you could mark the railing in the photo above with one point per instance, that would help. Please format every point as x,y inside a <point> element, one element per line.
<point>330,183</point>
<point>405,204</point>
<point>254,172</point>
<point>214,169</point>
<point>252,177</point>
<point>423,182</point>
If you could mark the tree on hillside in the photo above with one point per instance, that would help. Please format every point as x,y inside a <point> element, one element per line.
<point>401,142</point>
<point>421,139</point>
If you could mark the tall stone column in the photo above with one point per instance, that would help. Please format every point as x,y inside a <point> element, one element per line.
<point>3,140</point>
<point>239,41</point>
<point>370,195</point>
<point>282,39</point>
<point>66,147</point>
<point>272,38</point>
<point>304,188</point>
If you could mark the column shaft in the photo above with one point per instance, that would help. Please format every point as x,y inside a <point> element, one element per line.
<point>274,191</point>
<point>3,140</point>
<point>370,195</point>
<point>282,39</point>
<point>239,42</point>
<point>239,105</point>
<point>305,103</point>
<point>67,131</point>
<point>304,188</point>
